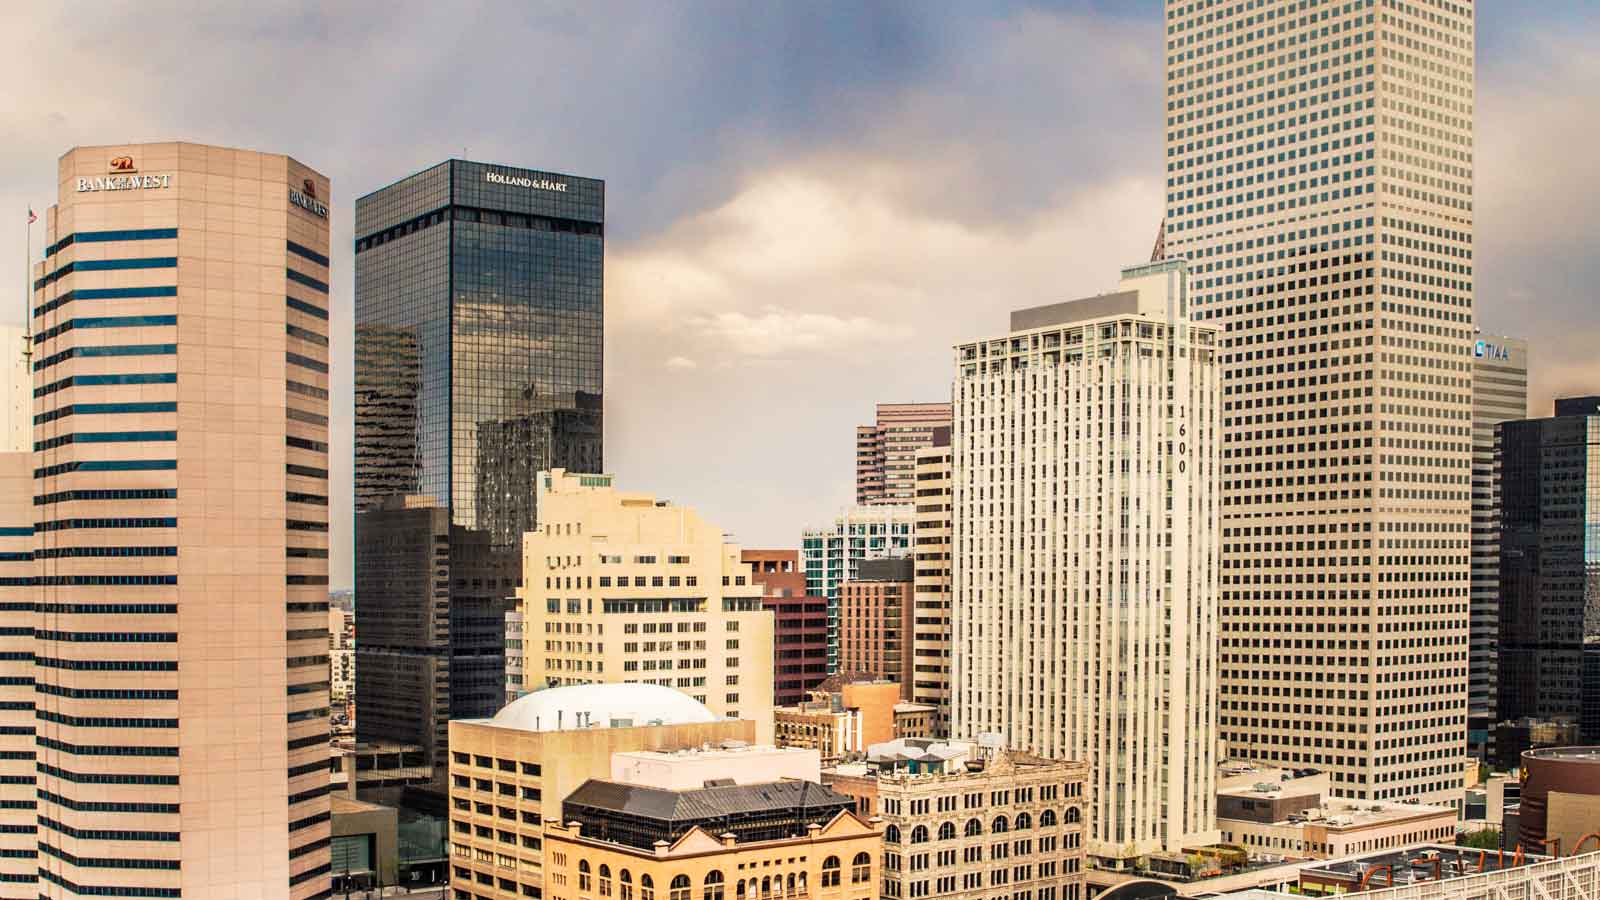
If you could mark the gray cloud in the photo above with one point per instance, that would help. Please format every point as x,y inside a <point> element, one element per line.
<point>808,203</point>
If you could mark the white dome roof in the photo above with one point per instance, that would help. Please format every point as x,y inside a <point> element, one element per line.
<point>601,706</point>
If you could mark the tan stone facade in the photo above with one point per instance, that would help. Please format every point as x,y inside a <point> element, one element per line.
<point>1016,826</point>
<point>840,720</point>
<point>1338,258</point>
<point>621,588</point>
<point>506,782</point>
<point>930,541</point>
<point>836,861</point>
<point>180,369</point>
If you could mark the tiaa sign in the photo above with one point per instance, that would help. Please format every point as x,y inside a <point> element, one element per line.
<point>1486,350</point>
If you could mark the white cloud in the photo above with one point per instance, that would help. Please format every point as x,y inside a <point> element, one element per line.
<point>681,362</point>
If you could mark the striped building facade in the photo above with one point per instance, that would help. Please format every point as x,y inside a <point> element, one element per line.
<point>179,505</point>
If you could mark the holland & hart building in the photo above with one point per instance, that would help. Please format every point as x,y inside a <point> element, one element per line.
<point>479,317</point>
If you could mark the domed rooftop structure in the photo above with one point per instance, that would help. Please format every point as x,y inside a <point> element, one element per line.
<point>601,706</point>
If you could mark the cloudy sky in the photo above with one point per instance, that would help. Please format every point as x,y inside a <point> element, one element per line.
<point>808,202</point>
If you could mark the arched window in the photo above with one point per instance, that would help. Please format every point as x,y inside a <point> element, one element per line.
<point>919,834</point>
<point>713,885</point>
<point>1073,816</point>
<point>974,827</point>
<point>679,889</point>
<point>585,883</point>
<point>1047,818</point>
<point>1023,823</point>
<point>947,831</point>
<point>861,869</point>
<point>647,888</point>
<point>605,881</point>
<point>830,871</point>
<point>789,885</point>
<point>999,825</point>
<point>625,884</point>
<point>891,835</point>
<point>738,891</point>
<point>766,886</point>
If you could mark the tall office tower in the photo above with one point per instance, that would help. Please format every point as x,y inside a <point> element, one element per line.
<point>799,623</point>
<point>1086,553</point>
<point>833,554</point>
<point>1319,180</point>
<point>180,475</point>
<point>1499,394</point>
<point>19,839</point>
<point>624,588</point>
<point>876,621</point>
<point>1549,564</point>
<point>479,314</point>
<point>930,538</point>
<point>886,450</point>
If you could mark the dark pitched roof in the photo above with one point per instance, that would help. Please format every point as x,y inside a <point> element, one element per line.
<point>703,803</point>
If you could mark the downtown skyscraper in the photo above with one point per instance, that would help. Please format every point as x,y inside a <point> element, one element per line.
<point>175,717</point>
<point>479,315</point>
<point>1319,162</point>
<point>1084,541</point>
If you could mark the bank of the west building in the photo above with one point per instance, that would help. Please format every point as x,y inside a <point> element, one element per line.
<point>179,533</point>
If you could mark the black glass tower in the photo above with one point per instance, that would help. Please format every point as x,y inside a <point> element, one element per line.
<point>1550,568</point>
<point>479,344</point>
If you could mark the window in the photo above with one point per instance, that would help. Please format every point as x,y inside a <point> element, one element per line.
<point>861,869</point>
<point>891,835</point>
<point>585,882</point>
<point>679,888</point>
<point>919,834</point>
<point>1000,826</point>
<point>647,888</point>
<point>1047,818</point>
<point>625,885</point>
<point>605,881</point>
<point>1073,816</point>
<point>830,871</point>
<point>947,831</point>
<point>974,827</point>
<point>1024,822</point>
<point>713,886</point>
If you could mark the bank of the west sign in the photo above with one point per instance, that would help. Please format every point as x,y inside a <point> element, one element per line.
<point>124,183</point>
<point>308,203</point>
<point>538,184</point>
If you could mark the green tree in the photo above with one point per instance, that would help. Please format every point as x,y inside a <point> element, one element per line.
<point>1486,839</point>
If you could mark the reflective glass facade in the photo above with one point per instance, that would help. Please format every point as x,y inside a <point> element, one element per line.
<point>479,342</point>
<point>1550,567</point>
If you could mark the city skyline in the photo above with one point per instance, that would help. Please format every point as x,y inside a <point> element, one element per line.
<point>914,154</point>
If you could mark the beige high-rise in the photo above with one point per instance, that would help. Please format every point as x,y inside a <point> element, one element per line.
<point>1319,179</point>
<point>1499,394</point>
<point>180,468</point>
<point>930,543</point>
<point>1085,543</point>
<point>621,587</point>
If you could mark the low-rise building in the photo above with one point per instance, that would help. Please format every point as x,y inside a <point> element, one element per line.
<point>729,761</point>
<point>845,715</point>
<point>508,774</point>
<point>781,841</point>
<point>1560,799</point>
<point>375,769</point>
<point>915,720</point>
<point>1279,814</point>
<point>965,821</point>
